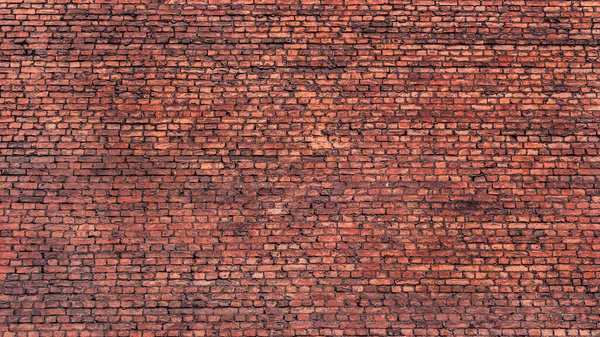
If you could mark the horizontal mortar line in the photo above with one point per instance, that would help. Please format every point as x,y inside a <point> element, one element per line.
<point>228,70</point>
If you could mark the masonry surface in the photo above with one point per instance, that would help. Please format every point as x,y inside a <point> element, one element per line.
<point>299,168</point>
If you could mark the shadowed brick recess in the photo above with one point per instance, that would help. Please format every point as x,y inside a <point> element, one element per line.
<point>299,168</point>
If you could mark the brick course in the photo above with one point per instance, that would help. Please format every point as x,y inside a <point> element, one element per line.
<point>299,168</point>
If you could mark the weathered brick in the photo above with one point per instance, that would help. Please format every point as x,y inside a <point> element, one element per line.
<point>299,168</point>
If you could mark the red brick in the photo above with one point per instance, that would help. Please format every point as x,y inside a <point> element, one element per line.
<point>299,168</point>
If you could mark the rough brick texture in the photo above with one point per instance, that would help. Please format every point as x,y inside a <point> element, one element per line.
<point>299,168</point>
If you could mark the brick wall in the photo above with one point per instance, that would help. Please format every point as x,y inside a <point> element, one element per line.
<point>299,168</point>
